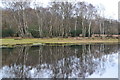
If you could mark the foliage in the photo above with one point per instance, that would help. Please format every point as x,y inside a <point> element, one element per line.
<point>8,32</point>
<point>75,33</point>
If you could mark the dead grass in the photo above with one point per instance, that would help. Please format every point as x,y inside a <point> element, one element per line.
<point>12,41</point>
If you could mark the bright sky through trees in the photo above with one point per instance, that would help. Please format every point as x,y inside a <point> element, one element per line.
<point>110,6</point>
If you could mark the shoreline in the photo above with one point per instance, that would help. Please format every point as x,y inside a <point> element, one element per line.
<point>54,41</point>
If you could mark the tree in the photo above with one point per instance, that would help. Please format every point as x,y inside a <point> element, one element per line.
<point>20,17</point>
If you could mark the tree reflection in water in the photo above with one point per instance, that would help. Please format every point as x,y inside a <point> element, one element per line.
<point>57,61</point>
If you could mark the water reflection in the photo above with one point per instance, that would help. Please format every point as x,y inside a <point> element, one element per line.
<point>60,61</point>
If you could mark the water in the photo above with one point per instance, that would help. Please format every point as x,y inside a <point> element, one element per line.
<point>83,61</point>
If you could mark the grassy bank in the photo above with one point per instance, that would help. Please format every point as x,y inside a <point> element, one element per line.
<point>64,41</point>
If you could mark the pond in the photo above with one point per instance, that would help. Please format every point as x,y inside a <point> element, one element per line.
<point>75,61</point>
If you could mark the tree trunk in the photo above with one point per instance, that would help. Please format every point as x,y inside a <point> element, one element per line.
<point>89,30</point>
<point>40,26</point>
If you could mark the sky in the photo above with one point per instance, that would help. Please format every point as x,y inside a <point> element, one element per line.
<point>110,6</point>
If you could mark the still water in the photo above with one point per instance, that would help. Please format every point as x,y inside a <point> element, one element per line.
<point>76,61</point>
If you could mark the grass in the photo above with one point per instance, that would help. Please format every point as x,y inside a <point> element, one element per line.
<point>64,41</point>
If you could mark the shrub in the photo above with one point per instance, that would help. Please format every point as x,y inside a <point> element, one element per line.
<point>75,33</point>
<point>8,32</point>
